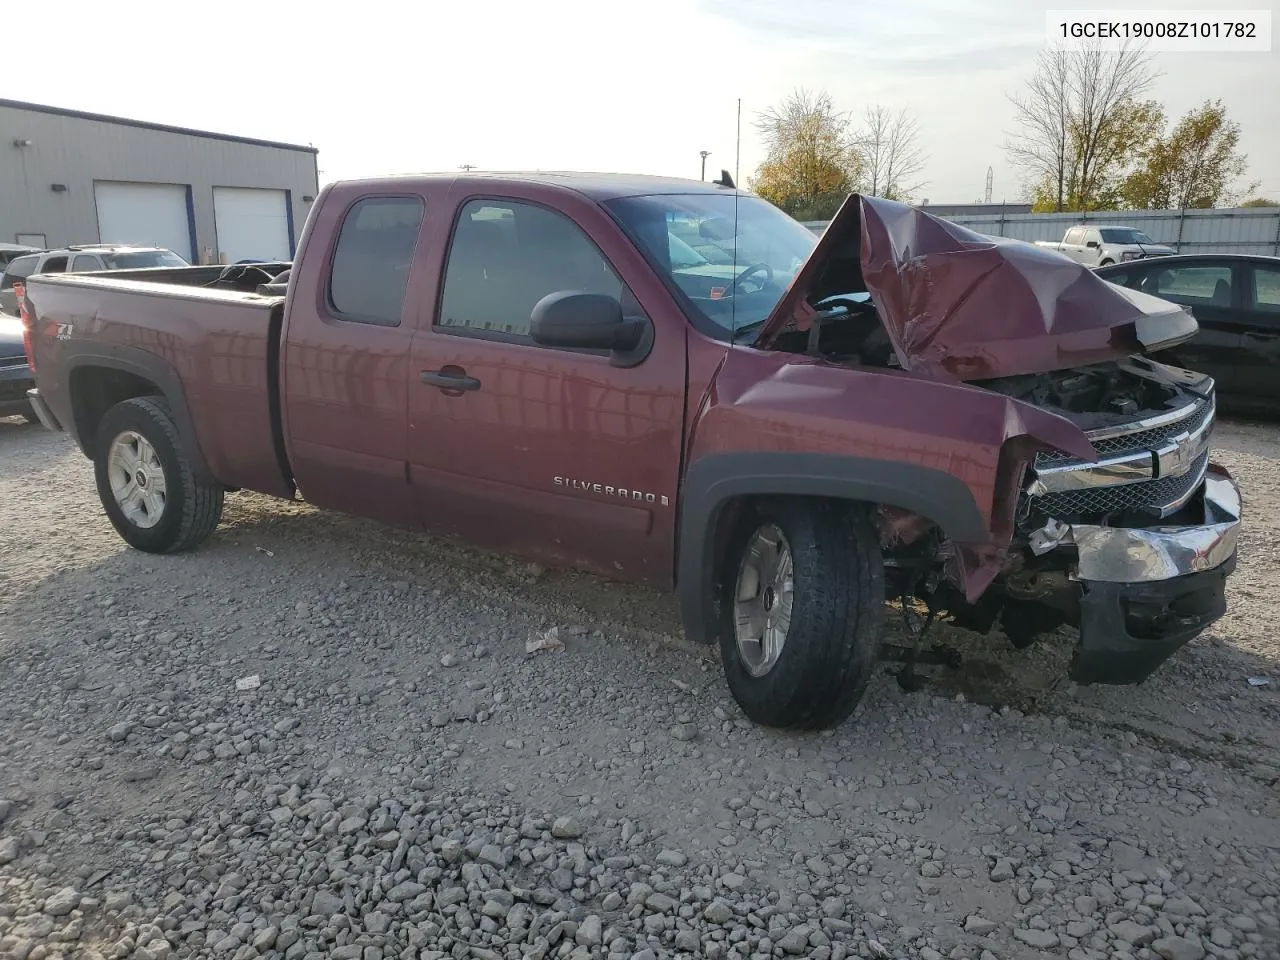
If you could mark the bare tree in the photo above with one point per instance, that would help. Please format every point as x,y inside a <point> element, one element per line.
<point>891,154</point>
<point>1079,121</point>
<point>1043,145</point>
<point>811,162</point>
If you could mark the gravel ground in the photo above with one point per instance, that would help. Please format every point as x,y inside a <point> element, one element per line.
<point>406,781</point>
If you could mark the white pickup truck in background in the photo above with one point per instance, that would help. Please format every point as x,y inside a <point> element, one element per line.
<point>1099,246</point>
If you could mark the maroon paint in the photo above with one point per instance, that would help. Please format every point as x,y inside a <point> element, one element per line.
<point>365,435</point>
<point>962,306</point>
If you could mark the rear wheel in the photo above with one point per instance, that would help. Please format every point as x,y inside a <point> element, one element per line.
<point>802,612</point>
<point>1106,263</point>
<point>146,485</point>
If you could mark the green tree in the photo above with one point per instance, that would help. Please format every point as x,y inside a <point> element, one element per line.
<point>1080,122</point>
<point>1131,127</point>
<point>1260,202</point>
<point>812,162</point>
<point>1193,167</point>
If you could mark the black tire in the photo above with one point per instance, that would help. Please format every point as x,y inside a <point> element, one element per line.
<point>837,615</point>
<point>191,508</point>
<point>1106,263</point>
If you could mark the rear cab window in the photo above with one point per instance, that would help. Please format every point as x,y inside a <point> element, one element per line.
<point>369,273</point>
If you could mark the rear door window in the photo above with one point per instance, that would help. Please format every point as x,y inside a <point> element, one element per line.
<point>371,261</point>
<point>1075,235</point>
<point>54,265</point>
<point>84,262</point>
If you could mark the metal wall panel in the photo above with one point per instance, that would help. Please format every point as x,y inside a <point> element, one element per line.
<point>72,152</point>
<point>1253,230</point>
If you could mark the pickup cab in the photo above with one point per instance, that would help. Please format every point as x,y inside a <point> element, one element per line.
<point>1101,246</point>
<point>673,383</point>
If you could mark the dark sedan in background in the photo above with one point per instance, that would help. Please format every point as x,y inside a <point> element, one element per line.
<point>1236,300</point>
<point>16,377</point>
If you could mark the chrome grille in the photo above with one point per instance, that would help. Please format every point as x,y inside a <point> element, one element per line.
<point>1138,440</point>
<point>1150,466</point>
<point>1154,494</point>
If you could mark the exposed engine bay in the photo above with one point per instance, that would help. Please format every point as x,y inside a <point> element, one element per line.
<point>847,330</point>
<point>1149,425</point>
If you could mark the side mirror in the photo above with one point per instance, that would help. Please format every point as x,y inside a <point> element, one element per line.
<point>1092,244</point>
<point>590,321</point>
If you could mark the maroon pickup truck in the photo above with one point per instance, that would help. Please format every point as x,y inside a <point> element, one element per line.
<point>673,383</point>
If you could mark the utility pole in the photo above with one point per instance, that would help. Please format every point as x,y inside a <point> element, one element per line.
<point>704,154</point>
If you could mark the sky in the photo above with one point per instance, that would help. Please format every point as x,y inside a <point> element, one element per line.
<point>388,88</point>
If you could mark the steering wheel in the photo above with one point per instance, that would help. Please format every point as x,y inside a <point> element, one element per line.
<point>750,271</point>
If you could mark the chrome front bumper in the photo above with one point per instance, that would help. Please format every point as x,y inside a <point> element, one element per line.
<point>1149,554</point>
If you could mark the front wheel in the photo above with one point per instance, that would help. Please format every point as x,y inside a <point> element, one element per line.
<point>1106,263</point>
<point>147,487</point>
<point>802,612</point>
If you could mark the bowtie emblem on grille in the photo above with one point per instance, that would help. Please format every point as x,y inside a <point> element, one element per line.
<point>1177,456</point>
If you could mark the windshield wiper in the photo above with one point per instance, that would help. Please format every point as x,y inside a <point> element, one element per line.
<point>748,328</point>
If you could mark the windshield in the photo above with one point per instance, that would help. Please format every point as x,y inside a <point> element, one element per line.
<point>1125,235</point>
<point>691,239</point>
<point>148,258</point>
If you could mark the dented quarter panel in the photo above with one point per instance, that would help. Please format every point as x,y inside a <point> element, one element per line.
<point>770,402</point>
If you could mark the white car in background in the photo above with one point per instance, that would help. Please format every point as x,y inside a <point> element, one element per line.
<point>11,251</point>
<point>1103,245</point>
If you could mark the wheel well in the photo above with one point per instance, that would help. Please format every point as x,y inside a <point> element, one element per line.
<point>95,390</point>
<point>734,509</point>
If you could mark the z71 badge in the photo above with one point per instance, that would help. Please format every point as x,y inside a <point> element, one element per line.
<point>64,331</point>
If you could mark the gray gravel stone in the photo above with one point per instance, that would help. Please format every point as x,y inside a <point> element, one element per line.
<point>1177,948</point>
<point>62,903</point>
<point>566,828</point>
<point>1040,939</point>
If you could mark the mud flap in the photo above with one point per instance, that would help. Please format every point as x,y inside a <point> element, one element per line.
<point>1127,630</point>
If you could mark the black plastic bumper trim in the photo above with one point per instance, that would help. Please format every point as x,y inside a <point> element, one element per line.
<point>1127,630</point>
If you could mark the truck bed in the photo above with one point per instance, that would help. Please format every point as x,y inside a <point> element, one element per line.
<point>217,347</point>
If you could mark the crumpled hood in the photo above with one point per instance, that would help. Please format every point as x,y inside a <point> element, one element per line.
<point>958,305</point>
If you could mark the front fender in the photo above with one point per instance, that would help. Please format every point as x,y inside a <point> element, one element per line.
<point>780,424</point>
<point>714,481</point>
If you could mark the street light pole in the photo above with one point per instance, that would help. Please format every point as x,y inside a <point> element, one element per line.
<point>704,154</point>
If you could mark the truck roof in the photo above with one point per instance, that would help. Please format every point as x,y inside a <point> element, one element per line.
<point>597,186</point>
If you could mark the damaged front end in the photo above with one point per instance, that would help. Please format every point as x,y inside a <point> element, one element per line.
<point>1134,548</point>
<point>1106,512</point>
